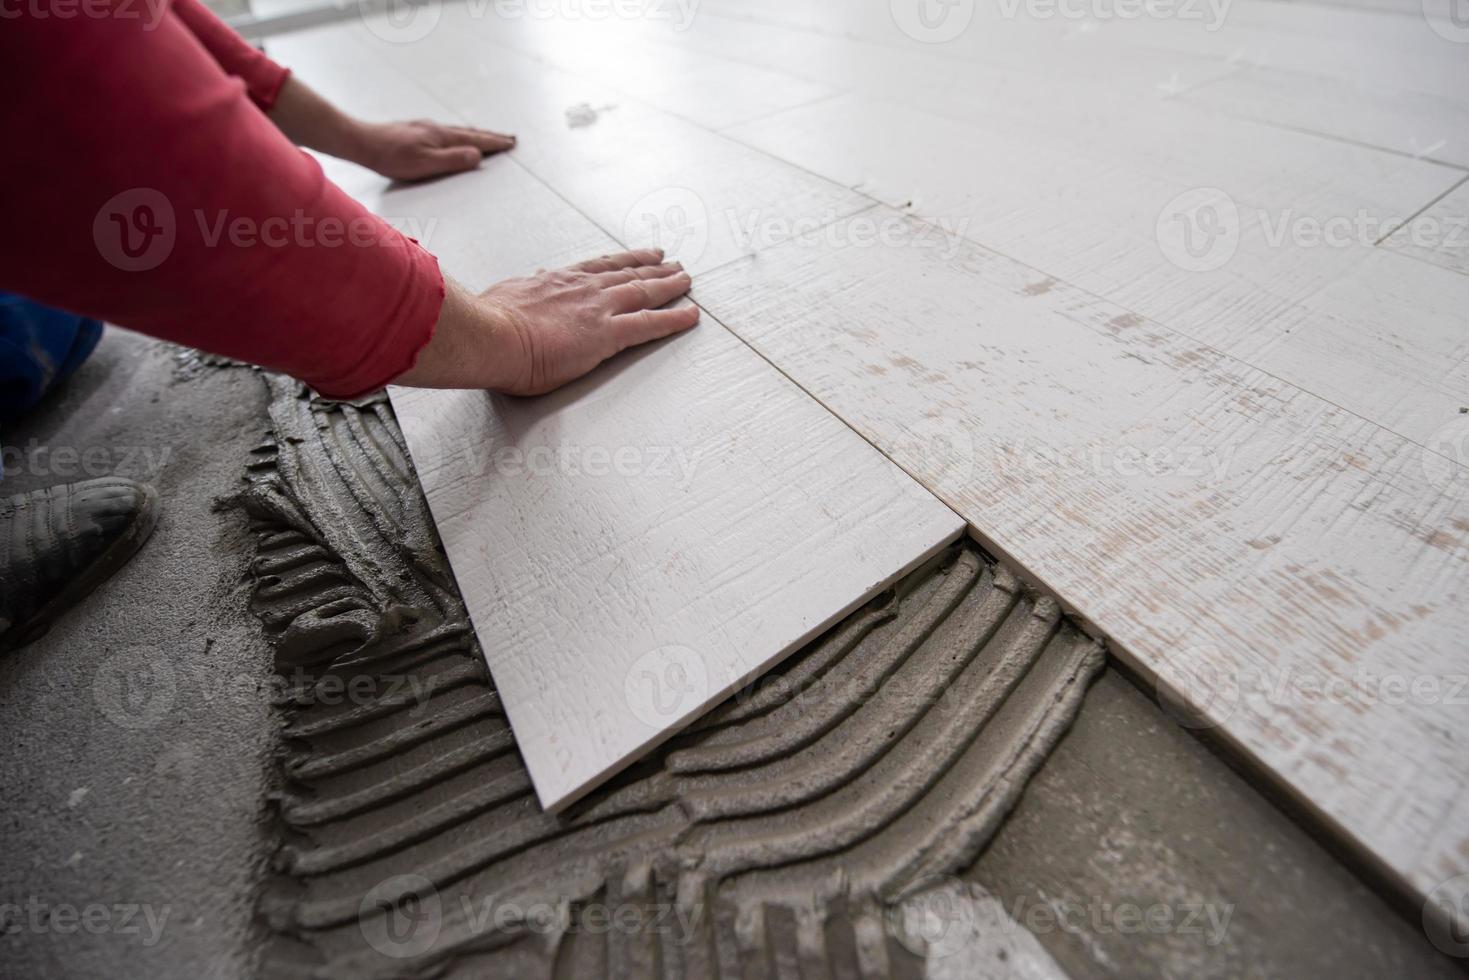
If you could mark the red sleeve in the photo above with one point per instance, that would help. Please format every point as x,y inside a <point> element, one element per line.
<point>263,78</point>
<point>144,188</point>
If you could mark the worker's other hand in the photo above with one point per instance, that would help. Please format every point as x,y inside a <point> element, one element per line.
<point>561,324</point>
<point>420,149</point>
<point>530,336</point>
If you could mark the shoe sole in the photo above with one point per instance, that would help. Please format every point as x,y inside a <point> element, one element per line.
<point>117,555</point>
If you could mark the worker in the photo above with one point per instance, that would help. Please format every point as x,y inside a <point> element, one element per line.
<point>154,179</point>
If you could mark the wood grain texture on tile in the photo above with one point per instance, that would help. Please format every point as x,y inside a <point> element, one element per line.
<point>635,546</point>
<point>1111,200</point>
<point>1439,235</point>
<point>1246,543</point>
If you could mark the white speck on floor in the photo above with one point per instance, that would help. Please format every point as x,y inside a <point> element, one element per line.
<point>966,934</point>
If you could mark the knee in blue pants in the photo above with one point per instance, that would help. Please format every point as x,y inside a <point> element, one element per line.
<point>39,347</point>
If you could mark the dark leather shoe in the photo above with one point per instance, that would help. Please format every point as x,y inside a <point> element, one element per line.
<point>58,544</point>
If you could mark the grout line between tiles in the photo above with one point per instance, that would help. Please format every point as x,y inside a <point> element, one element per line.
<point>1414,216</point>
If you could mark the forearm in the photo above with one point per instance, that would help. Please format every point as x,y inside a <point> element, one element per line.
<point>471,346</point>
<point>156,197</point>
<point>311,121</point>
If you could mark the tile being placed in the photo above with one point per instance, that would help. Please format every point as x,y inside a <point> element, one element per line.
<point>638,544</point>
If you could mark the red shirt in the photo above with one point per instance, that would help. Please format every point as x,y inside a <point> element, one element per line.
<point>145,186</point>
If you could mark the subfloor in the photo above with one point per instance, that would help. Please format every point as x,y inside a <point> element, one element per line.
<point>151,773</point>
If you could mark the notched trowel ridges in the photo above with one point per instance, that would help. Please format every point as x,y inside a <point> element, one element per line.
<point>787,824</point>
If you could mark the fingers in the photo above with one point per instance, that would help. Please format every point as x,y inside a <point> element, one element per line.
<point>645,294</point>
<point>481,139</point>
<point>630,329</point>
<point>607,280</point>
<point>622,260</point>
<point>431,163</point>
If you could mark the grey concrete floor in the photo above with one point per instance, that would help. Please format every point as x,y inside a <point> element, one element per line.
<point>137,733</point>
<point>1138,852</point>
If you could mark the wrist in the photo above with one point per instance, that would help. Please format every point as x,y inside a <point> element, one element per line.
<point>500,341</point>
<point>467,349</point>
<point>356,141</point>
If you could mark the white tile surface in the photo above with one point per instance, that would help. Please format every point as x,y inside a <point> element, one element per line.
<point>1263,554</point>
<point>1325,381</point>
<point>635,545</point>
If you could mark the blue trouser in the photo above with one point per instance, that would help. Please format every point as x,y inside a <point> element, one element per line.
<point>39,346</point>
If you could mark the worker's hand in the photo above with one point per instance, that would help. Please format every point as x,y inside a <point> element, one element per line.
<point>419,149</point>
<point>532,335</point>
<point>562,324</point>
<point>400,151</point>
